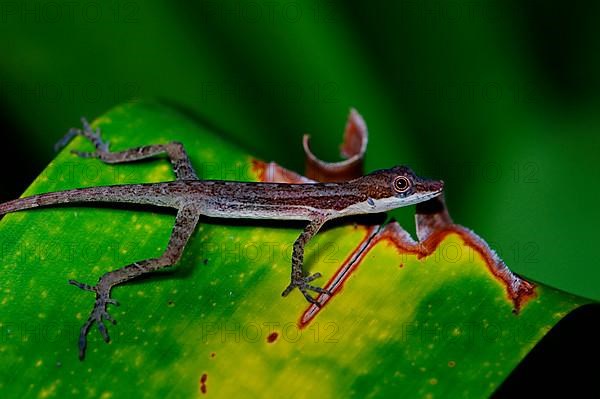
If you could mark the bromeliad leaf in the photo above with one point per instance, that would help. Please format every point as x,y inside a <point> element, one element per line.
<point>419,318</point>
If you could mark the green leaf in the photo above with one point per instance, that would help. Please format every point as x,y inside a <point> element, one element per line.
<point>216,324</point>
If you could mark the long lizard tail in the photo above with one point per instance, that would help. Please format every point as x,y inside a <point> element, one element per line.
<point>159,194</point>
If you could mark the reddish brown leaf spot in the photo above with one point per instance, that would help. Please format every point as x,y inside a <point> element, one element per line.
<point>213,354</point>
<point>203,383</point>
<point>272,337</point>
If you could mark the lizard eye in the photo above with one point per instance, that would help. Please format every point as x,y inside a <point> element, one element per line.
<point>401,184</point>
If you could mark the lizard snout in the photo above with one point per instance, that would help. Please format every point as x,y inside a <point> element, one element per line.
<point>432,186</point>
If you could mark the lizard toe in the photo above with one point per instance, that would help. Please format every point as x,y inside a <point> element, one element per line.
<point>302,283</point>
<point>83,286</point>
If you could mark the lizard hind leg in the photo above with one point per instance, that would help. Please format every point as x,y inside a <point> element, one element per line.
<point>185,224</point>
<point>99,314</point>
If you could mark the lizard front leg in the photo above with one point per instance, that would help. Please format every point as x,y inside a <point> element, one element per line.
<point>182,165</point>
<point>185,224</point>
<point>298,279</point>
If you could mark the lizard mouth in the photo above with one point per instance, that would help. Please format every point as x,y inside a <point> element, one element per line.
<point>425,190</point>
<point>430,187</point>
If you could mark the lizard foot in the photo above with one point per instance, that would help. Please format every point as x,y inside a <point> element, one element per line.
<point>90,134</point>
<point>98,314</point>
<point>302,283</point>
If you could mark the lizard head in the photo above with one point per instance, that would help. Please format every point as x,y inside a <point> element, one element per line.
<point>400,186</point>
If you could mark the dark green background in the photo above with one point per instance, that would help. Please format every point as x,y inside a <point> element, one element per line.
<point>499,99</point>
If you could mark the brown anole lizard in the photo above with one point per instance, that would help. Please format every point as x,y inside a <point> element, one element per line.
<point>315,203</point>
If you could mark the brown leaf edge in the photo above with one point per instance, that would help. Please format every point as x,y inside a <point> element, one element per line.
<point>432,219</point>
<point>353,149</point>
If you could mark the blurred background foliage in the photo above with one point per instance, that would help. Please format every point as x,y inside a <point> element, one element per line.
<point>498,98</point>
